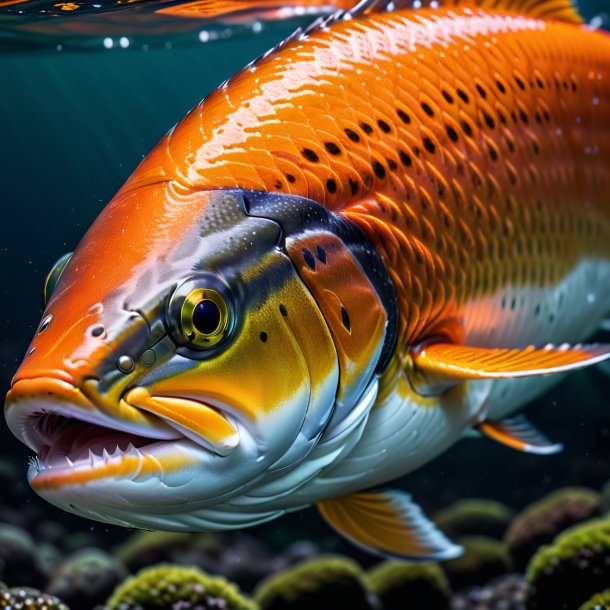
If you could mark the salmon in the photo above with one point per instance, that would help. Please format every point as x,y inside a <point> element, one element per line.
<point>387,232</point>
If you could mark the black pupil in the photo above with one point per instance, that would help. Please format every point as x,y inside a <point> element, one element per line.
<point>206,317</point>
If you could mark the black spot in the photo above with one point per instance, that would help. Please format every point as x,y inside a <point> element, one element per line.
<point>501,87</point>
<point>463,96</point>
<point>448,97</point>
<point>403,116</point>
<point>264,337</point>
<point>524,117</point>
<point>493,153</point>
<point>44,325</point>
<point>332,148</point>
<point>489,120</point>
<point>405,159</point>
<point>345,319</point>
<point>331,186</point>
<point>97,331</point>
<point>290,178</point>
<point>536,148</point>
<point>353,185</point>
<point>278,185</point>
<point>378,169</point>
<point>429,145</point>
<point>310,155</point>
<point>520,83</point>
<point>426,108</point>
<point>321,253</point>
<point>283,310</point>
<point>384,126</point>
<point>392,164</point>
<point>452,133</point>
<point>482,92</point>
<point>352,135</point>
<point>466,128</point>
<point>309,258</point>
<point>366,128</point>
<point>539,82</point>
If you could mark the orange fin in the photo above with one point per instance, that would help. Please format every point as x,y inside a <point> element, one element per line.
<point>438,365</point>
<point>390,524</point>
<point>559,10</point>
<point>519,433</point>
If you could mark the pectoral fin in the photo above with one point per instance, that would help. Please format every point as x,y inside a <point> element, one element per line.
<point>439,365</point>
<point>388,523</point>
<point>519,433</point>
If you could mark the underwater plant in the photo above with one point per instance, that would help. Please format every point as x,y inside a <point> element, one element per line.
<point>325,583</point>
<point>166,586</point>
<point>600,601</point>
<point>474,517</point>
<point>544,519</point>
<point>87,578</point>
<point>20,564</point>
<point>424,585</point>
<point>565,574</point>
<point>483,559</point>
<point>25,598</point>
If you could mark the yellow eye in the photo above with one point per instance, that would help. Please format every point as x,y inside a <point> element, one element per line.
<point>53,277</point>
<point>204,317</point>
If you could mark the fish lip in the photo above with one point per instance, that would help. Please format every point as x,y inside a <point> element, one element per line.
<point>61,424</point>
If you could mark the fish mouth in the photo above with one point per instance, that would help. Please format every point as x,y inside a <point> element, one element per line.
<point>77,443</point>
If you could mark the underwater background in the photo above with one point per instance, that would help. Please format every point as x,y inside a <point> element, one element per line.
<point>78,111</point>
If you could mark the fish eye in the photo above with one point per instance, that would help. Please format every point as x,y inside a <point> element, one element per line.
<point>53,277</point>
<point>204,317</point>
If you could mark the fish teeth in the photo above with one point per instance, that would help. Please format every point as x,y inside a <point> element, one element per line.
<point>105,455</point>
<point>70,462</point>
<point>91,458</point>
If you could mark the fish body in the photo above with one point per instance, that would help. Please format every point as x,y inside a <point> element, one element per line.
<point>374,221</point>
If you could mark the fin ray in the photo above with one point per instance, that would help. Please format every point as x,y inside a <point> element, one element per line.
<point>388,523</point>
<point>520,434</point>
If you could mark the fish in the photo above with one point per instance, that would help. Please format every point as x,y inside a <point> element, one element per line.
<point>385,235</point>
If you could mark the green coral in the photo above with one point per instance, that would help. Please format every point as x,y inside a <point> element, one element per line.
<point>24,598</point>
<point>424,585</point>
<point>325,583</point>
<point>565,574</point>
<point>541,521</point>
<point>166,586</point>
<point>474,517</point>
<point>483,559</point>
<point>600,601</point>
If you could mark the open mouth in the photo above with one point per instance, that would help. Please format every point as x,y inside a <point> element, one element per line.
<point>76,443</point>
<point>70,443</point>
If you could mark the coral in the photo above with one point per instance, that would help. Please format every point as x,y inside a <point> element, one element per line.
<point>566,573</point>
<point>19,561</point>
<point>600,601</point>
<point>483,559</point>
<point>24,598</point>
<point>541,521</point>
<point>424,585</point>
<point>172,587</point>
<point>87,578</point>
<point>474,517</point>
<point>325,583</point>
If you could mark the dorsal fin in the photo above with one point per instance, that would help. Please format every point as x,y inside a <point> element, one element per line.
<point>558,10</point>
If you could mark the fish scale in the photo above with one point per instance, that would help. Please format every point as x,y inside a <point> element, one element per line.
<point>454,137</point>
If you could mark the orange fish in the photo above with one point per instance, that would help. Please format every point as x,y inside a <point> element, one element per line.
<point>363,245</point>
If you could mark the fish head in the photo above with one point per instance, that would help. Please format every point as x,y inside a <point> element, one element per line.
<point>179,359</point>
